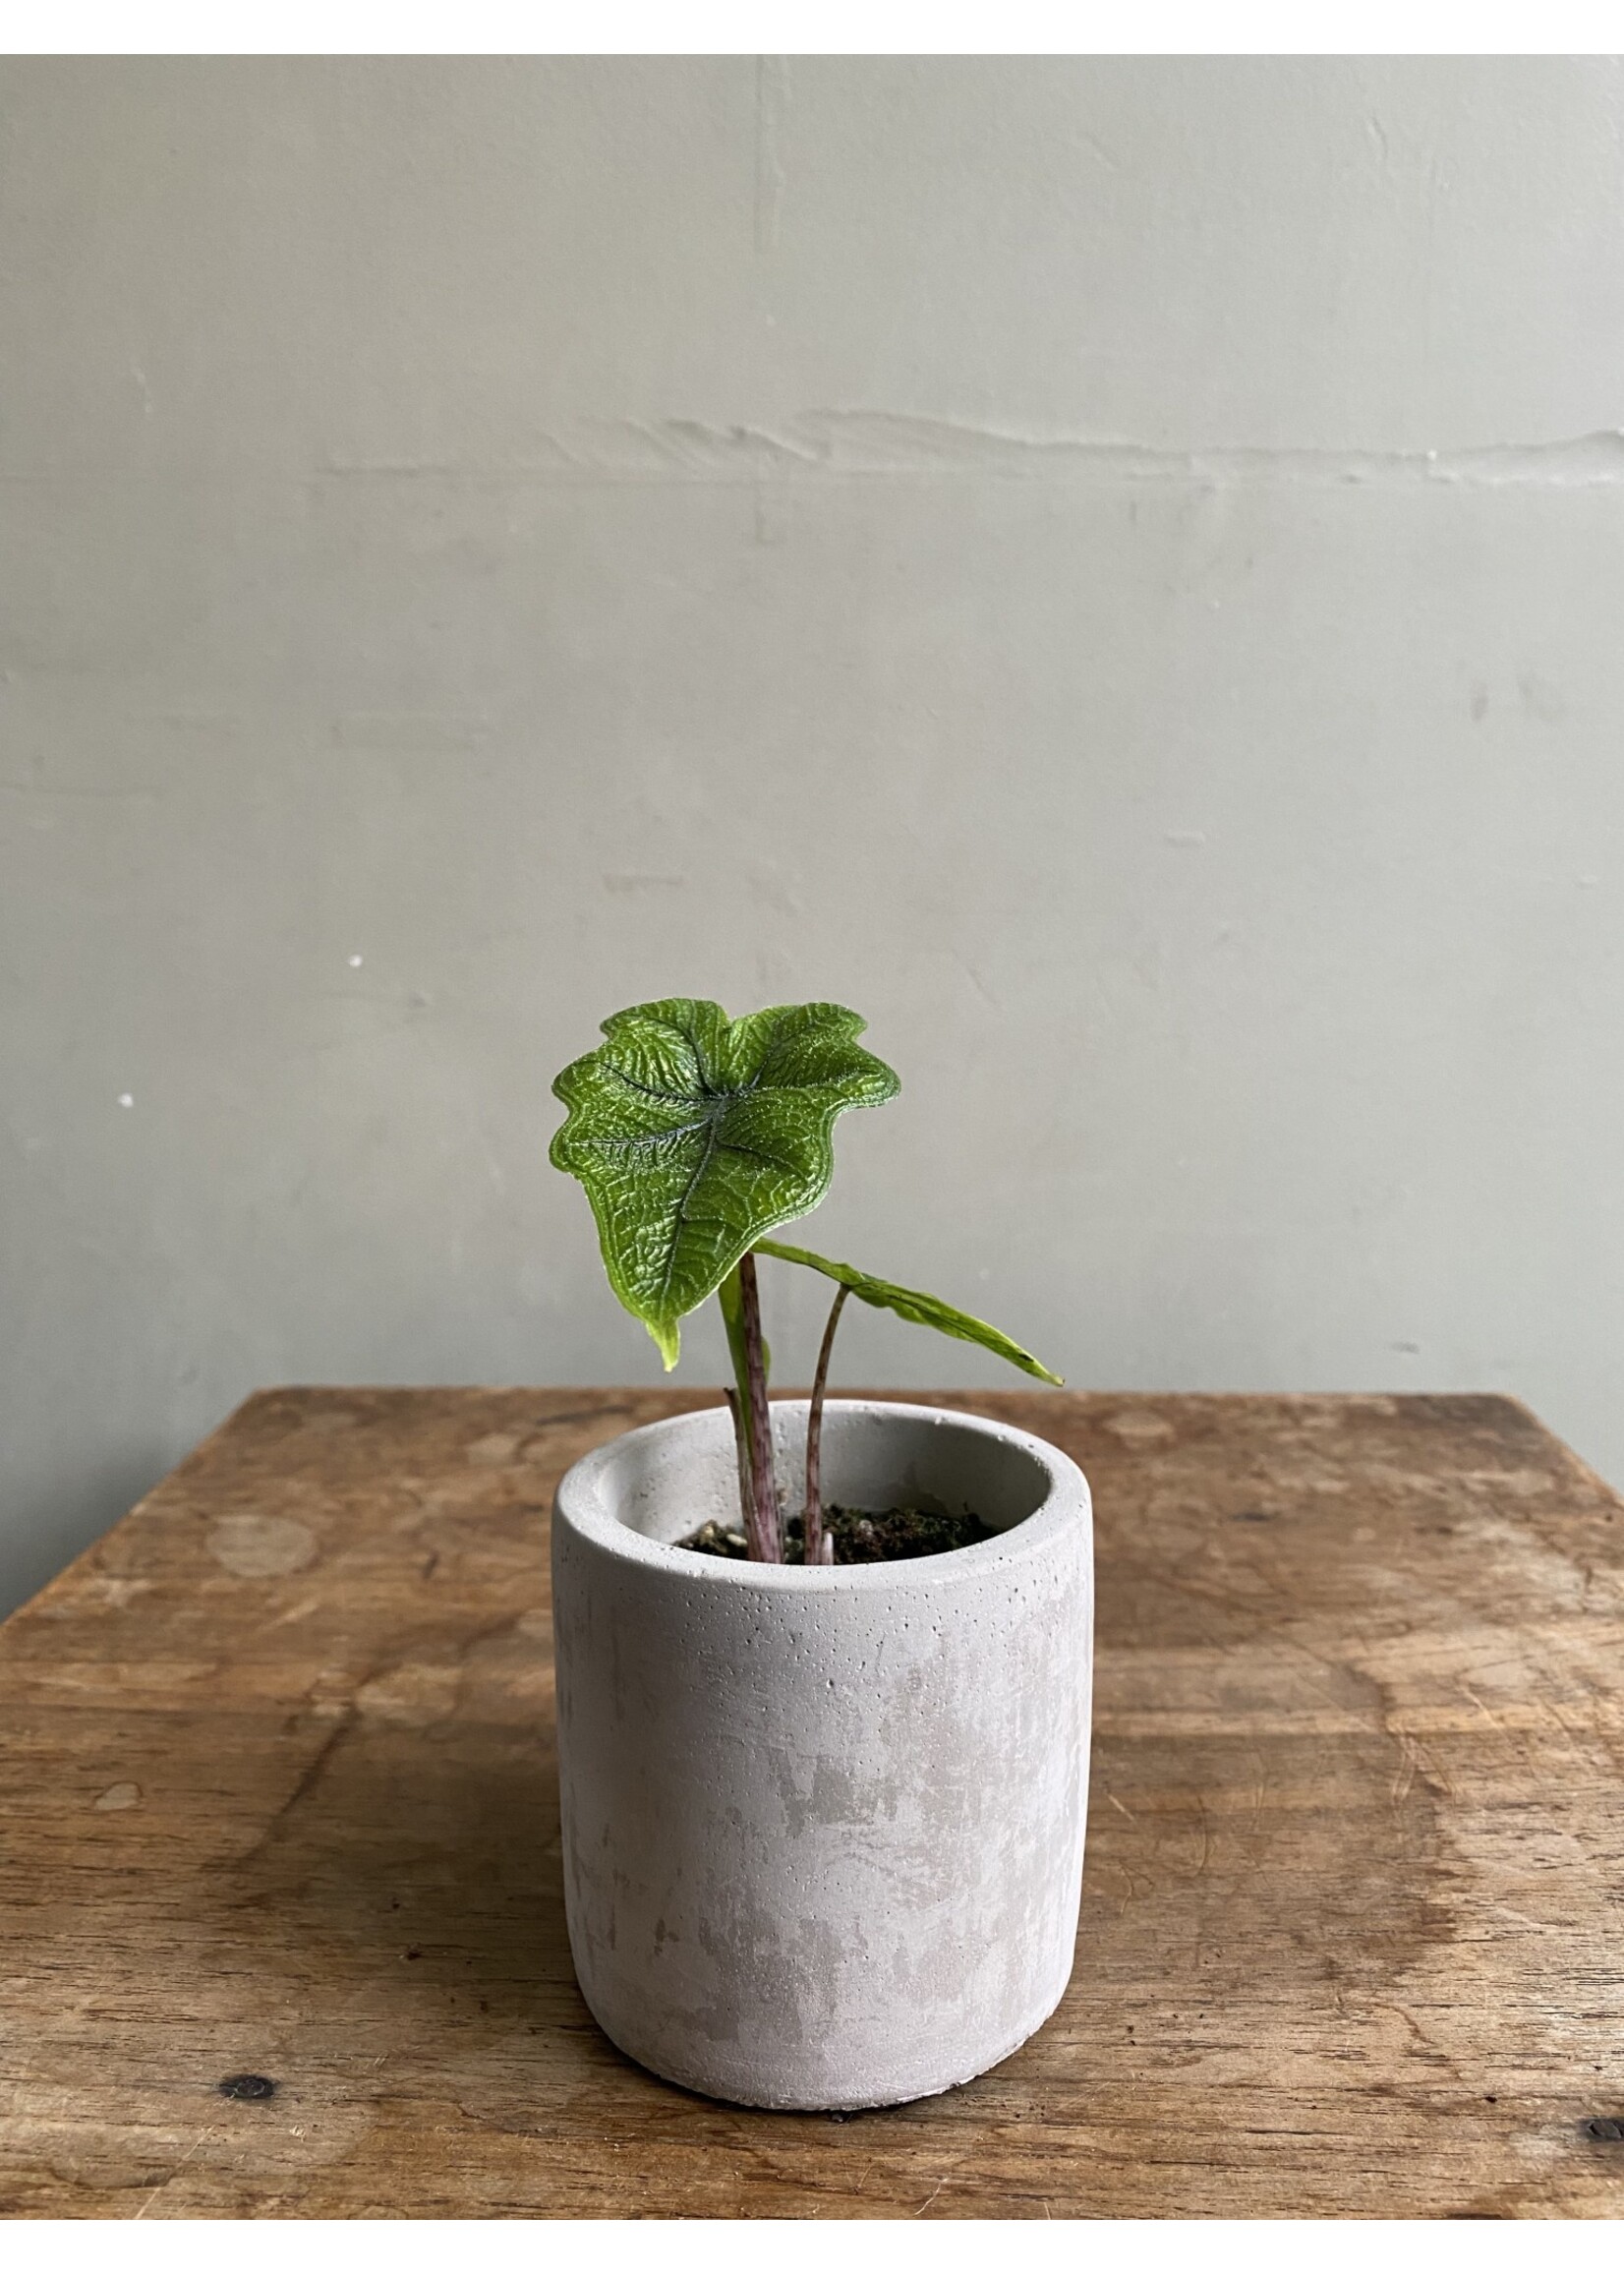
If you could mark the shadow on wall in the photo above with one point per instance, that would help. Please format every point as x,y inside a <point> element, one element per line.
<point>41,1532</point>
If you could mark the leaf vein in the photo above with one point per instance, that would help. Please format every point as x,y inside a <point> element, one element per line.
<point>665,1096</point>
<point>680,1218</point>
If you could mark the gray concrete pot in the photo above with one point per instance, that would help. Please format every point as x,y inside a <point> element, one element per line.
<point>823,1829</point>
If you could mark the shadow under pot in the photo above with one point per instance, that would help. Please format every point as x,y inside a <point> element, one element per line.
<point>823,1829</point>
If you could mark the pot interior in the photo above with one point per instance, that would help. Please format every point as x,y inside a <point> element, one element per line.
<point>666,1481</point>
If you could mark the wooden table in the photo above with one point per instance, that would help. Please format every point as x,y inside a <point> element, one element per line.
<point>279,1805</point>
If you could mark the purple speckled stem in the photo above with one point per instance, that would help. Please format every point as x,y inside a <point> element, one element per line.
<point>766,1542</point>
<point>816,1543</point>
<point>741,1446</point>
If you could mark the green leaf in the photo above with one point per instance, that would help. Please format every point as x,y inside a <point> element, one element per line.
<point>908,1303</point>
<point>694,1133</point>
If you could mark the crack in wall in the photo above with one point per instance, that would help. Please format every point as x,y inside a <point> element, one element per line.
<point>882,444</point>
<point>886,445</point>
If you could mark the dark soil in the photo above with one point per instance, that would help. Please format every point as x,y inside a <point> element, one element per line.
<point>861,1536</point>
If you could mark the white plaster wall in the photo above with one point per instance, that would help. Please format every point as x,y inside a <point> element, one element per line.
<point>1113,568</point>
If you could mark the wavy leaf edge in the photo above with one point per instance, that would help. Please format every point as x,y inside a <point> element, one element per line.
<point>724,1150</point>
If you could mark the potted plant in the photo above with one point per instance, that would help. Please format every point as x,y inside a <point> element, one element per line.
<point>823,1664</point>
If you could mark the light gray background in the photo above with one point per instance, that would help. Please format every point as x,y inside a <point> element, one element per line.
<point>1113,568</point>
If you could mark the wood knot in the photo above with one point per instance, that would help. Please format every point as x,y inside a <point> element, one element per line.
<point>247,2086</point>
<point>1605,2127</point>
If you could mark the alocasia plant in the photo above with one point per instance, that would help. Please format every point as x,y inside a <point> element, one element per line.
<point>695,1135</point>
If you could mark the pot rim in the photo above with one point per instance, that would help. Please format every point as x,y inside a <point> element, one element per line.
<point>579,1505</point>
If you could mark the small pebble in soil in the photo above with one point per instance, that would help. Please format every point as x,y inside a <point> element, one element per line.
<point>860,1535</point>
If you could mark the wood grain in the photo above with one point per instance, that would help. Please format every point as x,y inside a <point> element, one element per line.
<point>279,1800</point>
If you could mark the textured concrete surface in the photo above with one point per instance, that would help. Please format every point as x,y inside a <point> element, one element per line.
<point>823,1829</point>
<point>1113,568</point>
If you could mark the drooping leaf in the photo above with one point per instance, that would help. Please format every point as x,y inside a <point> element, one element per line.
<point>694,1133</point>
<point>908,1303</point>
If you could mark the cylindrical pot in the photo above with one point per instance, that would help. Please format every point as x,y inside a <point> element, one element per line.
<point>823,1829</point>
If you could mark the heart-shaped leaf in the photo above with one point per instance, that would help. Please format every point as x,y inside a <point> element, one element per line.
<point>909,1303</point>
<point>694,1133</point>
